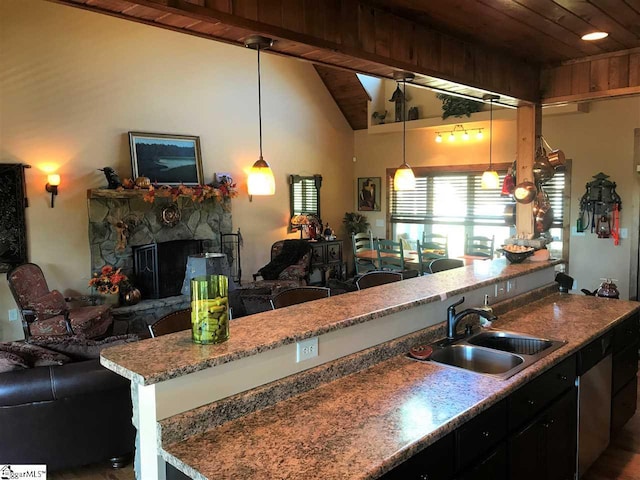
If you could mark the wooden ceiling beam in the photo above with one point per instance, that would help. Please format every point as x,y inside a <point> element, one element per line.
<point>602,76</point>
<point>343,33</point>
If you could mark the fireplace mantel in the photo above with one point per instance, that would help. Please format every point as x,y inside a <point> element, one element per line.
<point>110,210</point>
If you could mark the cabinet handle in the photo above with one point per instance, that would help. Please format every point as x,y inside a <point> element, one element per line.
<point>564,378</point>
<point>486,434</point>
<point>531,402</point>
<point>424,476</point>
<point>548,424</point>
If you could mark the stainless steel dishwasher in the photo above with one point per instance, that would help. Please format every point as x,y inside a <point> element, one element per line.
<point>594,401</point>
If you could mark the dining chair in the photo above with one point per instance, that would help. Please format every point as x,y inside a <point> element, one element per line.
<point>390,255</point>
<point>424,259</point>
<point>442,264</point>
<point>172,322</point>
<point>361,242</point>
<point>373,279</point>
<point>436,244</point>
<point>479,246</point>
<point>293,296</point>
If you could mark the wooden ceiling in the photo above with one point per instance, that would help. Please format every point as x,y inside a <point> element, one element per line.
<point>542,31</point>
<point>527,51</point>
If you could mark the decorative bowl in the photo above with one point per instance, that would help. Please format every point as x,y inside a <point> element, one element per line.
<point>517,257</point>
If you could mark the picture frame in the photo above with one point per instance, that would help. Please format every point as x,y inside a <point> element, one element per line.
<point>166,159</point>
<point>369,191</point>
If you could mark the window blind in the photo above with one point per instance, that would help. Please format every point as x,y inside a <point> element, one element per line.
<point>458,199</point>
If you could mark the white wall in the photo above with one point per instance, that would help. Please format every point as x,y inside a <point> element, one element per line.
<point>601,140</point>
<point>73,83</point>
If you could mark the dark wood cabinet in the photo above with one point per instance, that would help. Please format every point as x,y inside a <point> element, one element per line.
<point>480,435</point>
<point>624,385</point>
<point>545,448</point>
<point>433,463</point>
<point>492,467</point>
<point>326,258</point>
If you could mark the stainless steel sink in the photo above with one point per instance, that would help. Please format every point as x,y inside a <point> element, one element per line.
<point>511,342</point>
<point>481,360</point>
<point>498,353</point>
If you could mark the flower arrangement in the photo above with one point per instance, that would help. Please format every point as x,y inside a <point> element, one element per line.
<point>198,193</point>
<point>108,280</point>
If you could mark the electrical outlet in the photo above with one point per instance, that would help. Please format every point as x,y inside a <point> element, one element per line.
<point>511,285</point>
<point>379,223</point>
<point>306,349</point>
<point>501,289</point>
<point>13,314</point>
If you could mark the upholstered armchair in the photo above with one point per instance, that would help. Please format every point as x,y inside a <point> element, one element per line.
<point>45,312</point>
<point>290,260</point>
<point>290,267</point>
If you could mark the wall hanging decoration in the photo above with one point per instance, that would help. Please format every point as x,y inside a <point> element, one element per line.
<point>453,106</point>
<point>13,229</point>
<point>369,193</point>
<point>599,209</point>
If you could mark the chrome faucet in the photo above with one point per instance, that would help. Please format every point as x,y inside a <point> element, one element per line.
<point>454,318</point>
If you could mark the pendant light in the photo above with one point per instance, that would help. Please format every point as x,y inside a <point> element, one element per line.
<point>404,179</point>
<point>490,177</point>
<point>260,180</point>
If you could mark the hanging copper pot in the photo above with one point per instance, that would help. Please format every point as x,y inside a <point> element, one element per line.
<point>542,170</point>
<point>525,192</point>
<point>556,158</point>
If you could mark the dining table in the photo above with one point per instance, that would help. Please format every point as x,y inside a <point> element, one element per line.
<point>411,257</point>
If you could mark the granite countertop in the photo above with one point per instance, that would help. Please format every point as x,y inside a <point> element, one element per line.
<point>362,425</point>
<point>170,356</point>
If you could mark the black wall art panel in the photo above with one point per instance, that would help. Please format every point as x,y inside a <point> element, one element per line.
<point>13,230</point>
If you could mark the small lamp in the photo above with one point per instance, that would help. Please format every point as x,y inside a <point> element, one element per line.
<point>300,221</point>
<point>404,178</point>
<point>490,177</point>
<point>53,181</point>
<point>261,180</point>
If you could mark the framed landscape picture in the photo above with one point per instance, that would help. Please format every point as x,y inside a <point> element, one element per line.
<point>369,194</point>
<point>166,159</point>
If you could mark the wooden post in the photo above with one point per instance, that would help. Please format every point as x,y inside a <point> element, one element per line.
<point>529,128</point>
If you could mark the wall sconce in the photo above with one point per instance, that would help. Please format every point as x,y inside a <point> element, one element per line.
<point>458,128</point>
<point>53,181</point>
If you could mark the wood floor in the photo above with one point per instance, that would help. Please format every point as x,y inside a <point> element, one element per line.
<point>621,461</point>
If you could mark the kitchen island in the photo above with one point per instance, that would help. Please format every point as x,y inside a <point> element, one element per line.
<point>357,411</point>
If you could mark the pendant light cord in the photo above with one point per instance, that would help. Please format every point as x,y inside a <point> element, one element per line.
<point>259,103</point>
<point>490,132</point>
<point>404,121</point>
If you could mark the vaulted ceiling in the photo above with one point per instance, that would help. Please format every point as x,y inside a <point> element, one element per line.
<point>524,50</point>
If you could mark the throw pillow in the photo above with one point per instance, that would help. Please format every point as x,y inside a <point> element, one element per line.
<point>34,355</point>
<point>49,305</point>
<point>10,362</point>
<point>80,348</point>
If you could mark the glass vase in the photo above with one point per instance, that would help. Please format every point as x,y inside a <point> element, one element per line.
<point>210,309</point>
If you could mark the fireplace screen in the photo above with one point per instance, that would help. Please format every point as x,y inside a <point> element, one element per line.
<point>160,267</point>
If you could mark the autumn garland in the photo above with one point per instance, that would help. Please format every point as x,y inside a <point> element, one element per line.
<point>198,193</point>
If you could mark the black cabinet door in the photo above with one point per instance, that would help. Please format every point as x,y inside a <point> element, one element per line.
<point>559,432</point>
<point>433,463</point>
<point>493,468</point>
<point>526,453</point>
<point>545,449</point>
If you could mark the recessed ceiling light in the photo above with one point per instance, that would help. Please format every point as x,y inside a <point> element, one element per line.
<point>589,37</point>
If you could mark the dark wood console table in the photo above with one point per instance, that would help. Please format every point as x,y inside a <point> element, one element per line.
<point>327,257</point>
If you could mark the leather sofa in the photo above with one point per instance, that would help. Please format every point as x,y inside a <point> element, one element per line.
<point>65,416</point>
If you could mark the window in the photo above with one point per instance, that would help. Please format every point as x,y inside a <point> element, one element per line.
<point>453,203</point>
<point>305,195</point>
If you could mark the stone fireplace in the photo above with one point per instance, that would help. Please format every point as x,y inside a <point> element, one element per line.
<point>121,221</point>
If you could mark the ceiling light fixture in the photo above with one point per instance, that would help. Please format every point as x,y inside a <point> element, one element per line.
<point>590,37</point>
<point>452,134</point>
<point>404,179</point>
<point>490,177</point>
<point>260,180</point>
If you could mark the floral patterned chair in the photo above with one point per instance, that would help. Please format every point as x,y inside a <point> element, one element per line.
<point>256,297</point>
<point>45,312</point>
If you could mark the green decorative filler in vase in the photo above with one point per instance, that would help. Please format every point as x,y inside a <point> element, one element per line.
<point>210,309</point>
